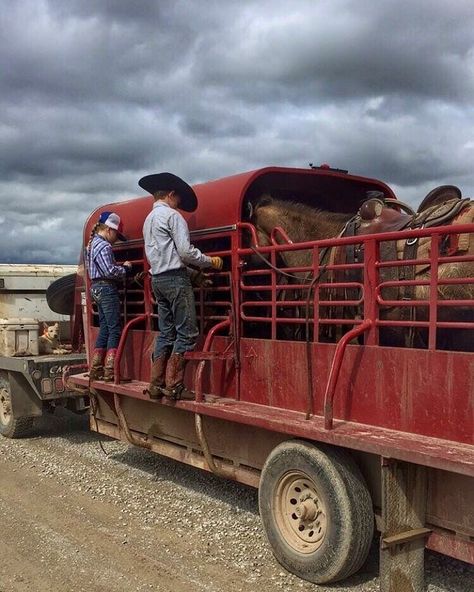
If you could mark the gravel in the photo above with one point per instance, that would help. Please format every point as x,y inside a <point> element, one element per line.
<point>153,494</point>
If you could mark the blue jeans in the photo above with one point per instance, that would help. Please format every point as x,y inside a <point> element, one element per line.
<point>107,298</point>
<point>177,324</point>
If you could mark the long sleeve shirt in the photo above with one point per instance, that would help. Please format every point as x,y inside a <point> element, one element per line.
<point>167,242</point>
<point>100,260</point>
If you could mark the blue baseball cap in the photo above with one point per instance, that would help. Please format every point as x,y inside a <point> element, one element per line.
<point>112,220</point>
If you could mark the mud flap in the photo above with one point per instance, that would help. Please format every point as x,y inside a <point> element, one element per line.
<point>24,401</point>
<point>402,541</point>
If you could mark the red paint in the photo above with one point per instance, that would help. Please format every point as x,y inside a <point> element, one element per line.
<point>411,404</point>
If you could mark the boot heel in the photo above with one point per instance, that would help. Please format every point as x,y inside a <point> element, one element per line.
<point>109,372</point>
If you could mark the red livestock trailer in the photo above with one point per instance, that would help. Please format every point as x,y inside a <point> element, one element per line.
<point>341,433</point>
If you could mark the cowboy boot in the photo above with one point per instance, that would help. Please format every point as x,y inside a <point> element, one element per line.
<point>109,373</point>
<point>158,372</point>
<point>175,388</point>
<point>96,371</point>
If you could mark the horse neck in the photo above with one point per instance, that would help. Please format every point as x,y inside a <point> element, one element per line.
<point>302,223</point>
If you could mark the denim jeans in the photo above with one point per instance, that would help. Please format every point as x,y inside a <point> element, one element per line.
<point>177,324</point>
<point>107,298</point>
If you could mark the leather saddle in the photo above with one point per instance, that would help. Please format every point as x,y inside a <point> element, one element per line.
<point>439,195</point>
<point>375,216</point>
<point>439,213</point>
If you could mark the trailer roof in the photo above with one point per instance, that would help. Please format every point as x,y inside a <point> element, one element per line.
<point>221,202</point>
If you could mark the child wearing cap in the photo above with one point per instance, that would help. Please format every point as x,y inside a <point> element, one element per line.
<point>104,274</point>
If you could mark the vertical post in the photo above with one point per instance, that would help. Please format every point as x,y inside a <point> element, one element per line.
<point>234,286</point>
<point>433,307</point>
<point>371,281</point>
<point>402,541</point>
<point>317,272</point>
<point>274,293</point>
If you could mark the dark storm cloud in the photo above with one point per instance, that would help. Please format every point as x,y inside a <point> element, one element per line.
<point>95,93</point>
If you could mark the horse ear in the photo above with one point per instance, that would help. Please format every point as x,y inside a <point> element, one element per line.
<point>248,210</point>
<point>264,200</point>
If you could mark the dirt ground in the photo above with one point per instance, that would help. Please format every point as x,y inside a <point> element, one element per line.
<point>73,519</point>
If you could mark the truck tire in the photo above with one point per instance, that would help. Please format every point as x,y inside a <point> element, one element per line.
<point>60,295</point>
<point>316,510</point>
<point>11,427</point>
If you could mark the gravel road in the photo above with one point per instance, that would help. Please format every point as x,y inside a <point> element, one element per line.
<point>73,519</point>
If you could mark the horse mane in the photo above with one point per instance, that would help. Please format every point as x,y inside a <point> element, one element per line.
<point>302,222</point>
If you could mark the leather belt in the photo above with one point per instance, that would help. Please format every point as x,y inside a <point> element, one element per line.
<point>103,281</point>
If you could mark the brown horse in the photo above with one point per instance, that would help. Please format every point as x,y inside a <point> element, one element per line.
<point>303,223</point>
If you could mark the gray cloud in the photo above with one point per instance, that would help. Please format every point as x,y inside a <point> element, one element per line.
<point>95,93</point>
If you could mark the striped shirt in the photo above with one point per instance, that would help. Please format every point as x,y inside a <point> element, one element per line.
<point>167,243</point>
<point>100,260</point>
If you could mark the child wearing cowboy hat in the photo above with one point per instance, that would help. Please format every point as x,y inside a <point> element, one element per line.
<point>169,252</point>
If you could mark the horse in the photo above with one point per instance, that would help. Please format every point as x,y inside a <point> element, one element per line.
<point>302,223</point>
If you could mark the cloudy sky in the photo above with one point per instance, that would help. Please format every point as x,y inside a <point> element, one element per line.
<point>96,93</point>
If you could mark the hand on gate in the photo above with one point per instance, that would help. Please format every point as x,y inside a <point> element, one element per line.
<point>200,279</point>
<point>140,276</point>
<point>217,263</point>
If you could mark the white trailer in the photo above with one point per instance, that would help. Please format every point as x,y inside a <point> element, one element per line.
<point>30,382</point>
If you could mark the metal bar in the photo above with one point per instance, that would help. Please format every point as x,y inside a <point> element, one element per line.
<point>335,369</point>
<point>371,279</point>
<point>213,230</point>
<point>351,240</point>
<point>405,537</point>
<point>124,426</point>
<point>206,347</point>
<point>121,346</point>
<point>433,308</point>
<point>251,228</point>
<point>187,455</point>
<point>273,292</point>
<point>279,230</point>
<point>301,321</point>
<point>317,293</point>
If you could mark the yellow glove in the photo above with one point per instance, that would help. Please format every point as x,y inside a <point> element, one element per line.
<point>217,263</point>
<point>140,276</point>
<point>200,279</point>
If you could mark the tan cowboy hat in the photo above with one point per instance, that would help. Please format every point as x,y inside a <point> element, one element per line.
<point>170,182</point>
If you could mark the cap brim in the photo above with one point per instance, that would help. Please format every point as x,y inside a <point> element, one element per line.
<point>170,182</point>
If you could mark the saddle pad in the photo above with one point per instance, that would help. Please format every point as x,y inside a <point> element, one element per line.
<point>439,214</point>
<point>458,243</point>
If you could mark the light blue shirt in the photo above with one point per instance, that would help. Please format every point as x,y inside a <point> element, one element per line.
<point>167,243</point>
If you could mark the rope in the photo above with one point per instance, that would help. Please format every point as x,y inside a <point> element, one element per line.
<point>94,407</point>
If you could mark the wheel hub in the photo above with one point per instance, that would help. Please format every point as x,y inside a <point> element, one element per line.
<point>300,512</point>
<point>5,407</point>
<point>307,509</point>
